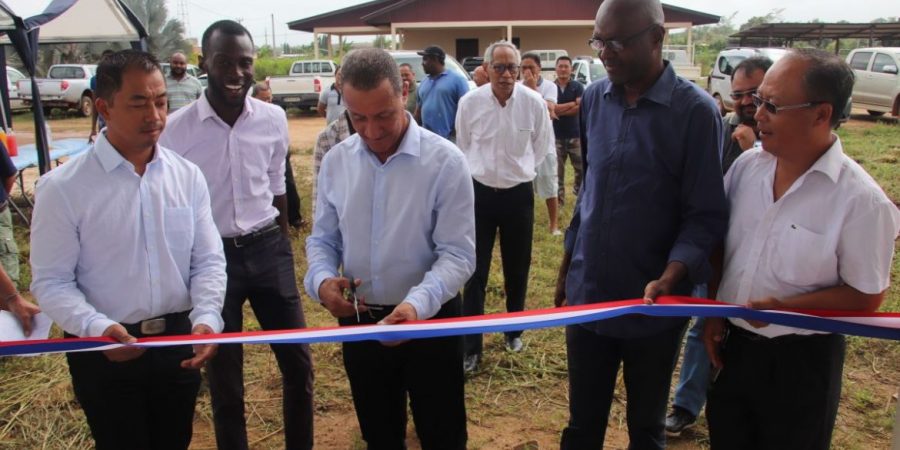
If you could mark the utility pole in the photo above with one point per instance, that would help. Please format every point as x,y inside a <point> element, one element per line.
<point>183,16</point>
<point>273,32</point>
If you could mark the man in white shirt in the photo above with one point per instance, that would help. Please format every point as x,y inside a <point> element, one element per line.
<point>240,144</point>
<point>123,245</point>
<point>545,183</point>
<point>331,104</point>
<point>505,133</point>
<point>394,219</point>
<point>809,229</point>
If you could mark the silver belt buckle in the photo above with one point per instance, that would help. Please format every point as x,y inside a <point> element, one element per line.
<point>153,326</point>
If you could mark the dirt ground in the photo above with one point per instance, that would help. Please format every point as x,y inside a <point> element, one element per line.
<point>336,427</point>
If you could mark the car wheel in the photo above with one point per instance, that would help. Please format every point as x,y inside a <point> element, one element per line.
<point>87,105</point>
<point>875,113</point>
<point>719,103</point>
<point>48,111</point>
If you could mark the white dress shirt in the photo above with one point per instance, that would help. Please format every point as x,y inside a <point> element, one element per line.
<point>504,145</point>
<point>110,246</point>
<point>244,164</point>
<point>833,226</point>
<point>406,228</point>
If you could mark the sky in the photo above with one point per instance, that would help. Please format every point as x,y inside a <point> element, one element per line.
<point>256,15</point>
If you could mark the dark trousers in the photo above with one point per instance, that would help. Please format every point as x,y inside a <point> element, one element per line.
<point>779,393</point>
<point>593,366</point>
<point>145,403</point>
<point>511,211</point>
<point>262,272</point>
<point>429,371</point>
<point>293,198</point>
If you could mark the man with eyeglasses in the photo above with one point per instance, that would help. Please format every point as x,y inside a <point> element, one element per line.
<point>650,213</point>
<point>809,229</point>
<point>740,134</point>
<point>505,133</point>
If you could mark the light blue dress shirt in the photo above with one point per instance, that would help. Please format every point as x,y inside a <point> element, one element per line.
<point>406,228</point>
<point>110,246</point>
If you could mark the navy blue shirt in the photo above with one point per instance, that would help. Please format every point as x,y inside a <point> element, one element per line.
<point>7,169</point>
<point>652,193</point>
<point>438,99</point>
<point>567,127</point>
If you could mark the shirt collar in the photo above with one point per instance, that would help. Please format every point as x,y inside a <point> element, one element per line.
<point>409,145</point>
<point>206,110</point>
<point>660,92</point>
<point>445,72</point>
<point>831,162</point>
<point>110,158</point>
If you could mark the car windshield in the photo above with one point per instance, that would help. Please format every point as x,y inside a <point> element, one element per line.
<point>416,62</point>
<point>597,71</point>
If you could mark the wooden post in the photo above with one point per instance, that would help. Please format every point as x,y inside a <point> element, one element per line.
<point>315,45</point>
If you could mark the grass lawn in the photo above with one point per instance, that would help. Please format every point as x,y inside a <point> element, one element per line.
<point>514,400</point>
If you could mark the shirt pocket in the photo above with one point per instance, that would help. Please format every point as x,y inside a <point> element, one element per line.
<point>803,257</point>
<point>179,228</point>
<point>521,142</point>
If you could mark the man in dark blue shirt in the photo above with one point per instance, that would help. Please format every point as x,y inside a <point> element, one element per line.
<point>565,127</point>
<point>651,209</point>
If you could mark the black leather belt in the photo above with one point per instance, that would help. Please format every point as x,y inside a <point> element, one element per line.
<point>250,238</point>
<point>174,323</point>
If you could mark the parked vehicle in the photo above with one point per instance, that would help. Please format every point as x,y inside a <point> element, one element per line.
<point>587,72</point>
<point>471,63</point>
<point>12,85</point>
<point>303,84</point>
<point>682,62</point>
<point>413,59</point>
<point>548,57</point>
<point>720,77</point>
<point>877,86</point>
<point>204,81</point>
<point>192,70</point>
<point>66,86</point>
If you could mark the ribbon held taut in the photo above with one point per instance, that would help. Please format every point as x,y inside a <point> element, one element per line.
<point>876,325</point>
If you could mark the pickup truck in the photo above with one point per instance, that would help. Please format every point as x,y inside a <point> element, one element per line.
<point>303,84</point>
<point>66,86</point>
<point>682,63</point>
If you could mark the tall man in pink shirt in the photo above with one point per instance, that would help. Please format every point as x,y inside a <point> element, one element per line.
<point>240,144</point>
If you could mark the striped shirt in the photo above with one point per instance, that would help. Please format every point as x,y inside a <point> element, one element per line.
<point>182,92</point>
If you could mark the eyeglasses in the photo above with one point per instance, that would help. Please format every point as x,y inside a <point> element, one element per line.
<point>738,95</point>
<point>774,109</point>
<point>499,69</point>
<point>616,45</point>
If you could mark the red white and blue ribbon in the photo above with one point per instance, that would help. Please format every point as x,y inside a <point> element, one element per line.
<point>876,325</point>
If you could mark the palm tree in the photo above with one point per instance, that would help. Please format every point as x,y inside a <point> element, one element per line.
<point>165,36</point>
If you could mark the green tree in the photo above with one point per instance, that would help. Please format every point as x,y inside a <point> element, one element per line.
<point>165,35</point>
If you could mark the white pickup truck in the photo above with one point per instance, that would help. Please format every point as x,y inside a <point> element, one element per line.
<point>682,62</point>
<point>303,83</point>
<point>66,86</point>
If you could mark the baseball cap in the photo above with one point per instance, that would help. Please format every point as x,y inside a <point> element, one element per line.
<point>433,50</point>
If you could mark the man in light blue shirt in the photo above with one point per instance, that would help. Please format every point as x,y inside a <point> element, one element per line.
<point>438,96</point>
<point>124,246</point>
<point>394,210</point>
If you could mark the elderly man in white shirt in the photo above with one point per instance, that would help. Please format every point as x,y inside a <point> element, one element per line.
<point>240,144</point>
<point>123,245</point>
<point>505,132</point>
<point>809,229</point>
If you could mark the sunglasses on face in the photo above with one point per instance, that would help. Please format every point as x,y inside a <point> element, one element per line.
<point>773,109</point>
<point>738,95</point>
<point>500,69</point>
<point>616,45</point>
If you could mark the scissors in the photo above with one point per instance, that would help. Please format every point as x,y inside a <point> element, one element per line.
<point>355,299</point>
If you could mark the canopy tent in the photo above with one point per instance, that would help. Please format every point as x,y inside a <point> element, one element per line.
<point>62,21</point>
<point>771,34</point>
